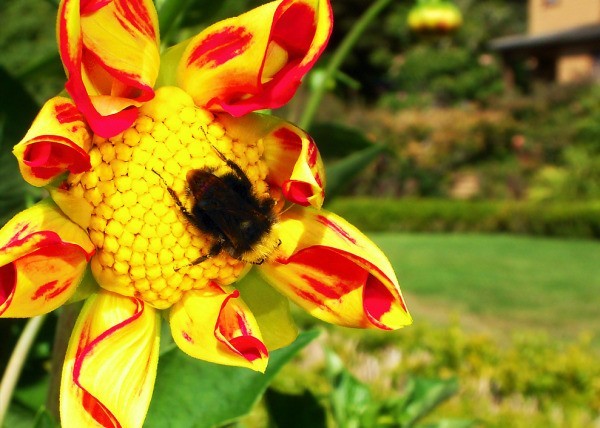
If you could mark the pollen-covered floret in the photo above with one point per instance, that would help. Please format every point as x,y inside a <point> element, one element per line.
<point>145,245</point>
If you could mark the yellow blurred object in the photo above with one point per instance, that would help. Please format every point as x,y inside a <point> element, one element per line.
<point>434,16</point>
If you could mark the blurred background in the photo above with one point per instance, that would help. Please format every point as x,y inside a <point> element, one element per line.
<point>464,138</point>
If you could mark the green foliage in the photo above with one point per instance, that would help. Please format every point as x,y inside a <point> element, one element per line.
<point>15,193</point>
<point>421,396</point>
<point>558,145</point>
<point>14,122</point>
<point>458,68</point>
<point>450,74</point>
<point>431,151</point>
<point>578,179</point>
<point>337,140</point>
<point>576,219</point>
<point>28,46</point>
<point>569,376</point>
<point>340,173</point>
<point>532,367</point>
<point>543,146</point>
<point>28,406</point>
<point>351,403</point>
<point>528,380</point>
<point>387,60</point>
<point>283,410</point>
<point>225,393</point>
<point>525,380</point>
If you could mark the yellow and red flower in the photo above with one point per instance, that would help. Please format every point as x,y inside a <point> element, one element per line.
<point>113,156</point>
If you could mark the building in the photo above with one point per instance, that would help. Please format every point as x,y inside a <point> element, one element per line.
<point>562,43</point>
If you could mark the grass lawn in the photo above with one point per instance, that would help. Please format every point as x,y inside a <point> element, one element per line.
<point>501,283</point>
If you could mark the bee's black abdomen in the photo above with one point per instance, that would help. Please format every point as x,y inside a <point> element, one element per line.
<point>226,208</point>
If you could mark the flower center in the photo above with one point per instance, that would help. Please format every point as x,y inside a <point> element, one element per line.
<point>145,246</point>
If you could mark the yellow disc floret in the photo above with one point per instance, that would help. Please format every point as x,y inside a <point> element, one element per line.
<point>145,245</point>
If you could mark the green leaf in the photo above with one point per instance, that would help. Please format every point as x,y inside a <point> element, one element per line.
<point>44,419</point>
<point>340,174</point>
<point>17,110</point>
<point>15,193</point>
<point>337,141</point>
<point>193,393</point>
<point>295,411</point>
<point>33,396</point>
<point>422,396</point>
<point>18,416</point>
<point>451,423</point>
<point>352,403</point>
<point>48,65</point>
<point>180,19</point>
<point>170,12</point>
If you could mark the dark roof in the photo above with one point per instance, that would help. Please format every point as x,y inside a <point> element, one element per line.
<point>579,35</point>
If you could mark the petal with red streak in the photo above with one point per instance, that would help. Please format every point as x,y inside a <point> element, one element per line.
<point>256,60</point>
<point>215,325</point>
<point>110,52</point>
<point>43,257</point>
<point>110,366</point>
<point>329,268</point>
<point>294,163</point>
<point>58,141</point>
<point>271,310</point>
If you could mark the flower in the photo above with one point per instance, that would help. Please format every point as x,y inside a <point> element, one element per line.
<point>119,227</point>
<point>434,16</point>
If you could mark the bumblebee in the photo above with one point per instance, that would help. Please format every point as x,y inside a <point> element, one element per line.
<point>227,209</point>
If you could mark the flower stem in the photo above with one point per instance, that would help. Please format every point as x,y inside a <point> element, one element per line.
<point>338,58</point>
<point>16,361</point>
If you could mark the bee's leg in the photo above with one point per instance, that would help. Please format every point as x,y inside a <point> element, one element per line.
<point>261,261</point>
<point>178,202</point>
<point>214,250</point>
<point>235,167</point>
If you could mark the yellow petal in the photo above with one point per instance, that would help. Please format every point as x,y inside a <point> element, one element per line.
<point>58,141</point>
<point>329,268</point>
<point>110,52</point>
<point>295,165</point>
<point>215,325</point>
<point>110,366</point>
<point>256,60</point>
<point>43,257</point>
<point>78,209</point>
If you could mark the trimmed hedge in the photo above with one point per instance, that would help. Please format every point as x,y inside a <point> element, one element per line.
<point>566,219</point>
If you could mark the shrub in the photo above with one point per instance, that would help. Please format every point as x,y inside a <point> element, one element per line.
<point>529,380</point>
<point>574,220</point>
<point>427,148</point>
<point>577,179</point>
